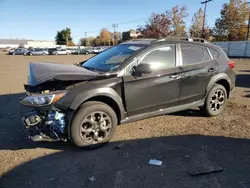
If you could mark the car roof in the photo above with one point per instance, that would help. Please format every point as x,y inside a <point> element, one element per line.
<point>170,40</point>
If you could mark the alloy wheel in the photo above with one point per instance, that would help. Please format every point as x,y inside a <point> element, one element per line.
<point>95,127</point>
<point>217,100</point>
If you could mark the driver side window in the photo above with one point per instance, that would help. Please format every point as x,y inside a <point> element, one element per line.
<point>160,58</point>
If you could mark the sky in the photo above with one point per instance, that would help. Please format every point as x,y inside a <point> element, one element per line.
<point>41,19</point>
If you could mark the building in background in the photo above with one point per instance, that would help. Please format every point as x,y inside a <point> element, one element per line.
<point>14,43</point>
<point>131,34</point>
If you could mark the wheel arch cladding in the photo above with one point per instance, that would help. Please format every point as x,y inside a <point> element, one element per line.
<point>109,101</point>
<point>105,95</point>
<point>226,84</point>
<point>222,79</point>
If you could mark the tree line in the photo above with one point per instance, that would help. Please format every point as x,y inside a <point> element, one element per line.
<point>230,26</point>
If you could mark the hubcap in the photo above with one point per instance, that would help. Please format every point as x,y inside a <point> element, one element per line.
<point>95,127</point>
<point>217,101</point>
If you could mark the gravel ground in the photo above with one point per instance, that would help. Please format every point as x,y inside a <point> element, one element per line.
<point>183,141</point>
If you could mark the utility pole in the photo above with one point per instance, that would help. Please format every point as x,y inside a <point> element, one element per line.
<point>204,17</point>
<point>114,26</point>
<point>86,39</point>
<point>248,27</point>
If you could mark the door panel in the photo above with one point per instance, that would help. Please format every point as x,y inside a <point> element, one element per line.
<point>197,75</point>
<point>156,89</point>
<point>151,92</point>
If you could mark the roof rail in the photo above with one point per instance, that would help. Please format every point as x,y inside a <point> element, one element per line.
<point>183,38</point>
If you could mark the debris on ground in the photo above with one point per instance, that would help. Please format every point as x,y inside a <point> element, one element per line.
<point>155,162</point>
<point>120,145</point>
<point>202,165</point>
<point>92,178</point>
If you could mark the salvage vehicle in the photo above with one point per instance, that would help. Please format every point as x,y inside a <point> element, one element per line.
<point>131,81</point>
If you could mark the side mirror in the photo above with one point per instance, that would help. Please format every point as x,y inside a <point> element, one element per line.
<point>142,68</point>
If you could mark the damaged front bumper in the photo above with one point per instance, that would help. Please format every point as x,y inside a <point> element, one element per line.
<point>47,125</point>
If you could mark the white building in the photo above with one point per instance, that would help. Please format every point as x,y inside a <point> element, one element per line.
<point>14,43</point>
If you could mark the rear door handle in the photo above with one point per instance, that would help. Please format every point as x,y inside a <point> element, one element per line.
<point>176,76</point>
<point>211,70</point>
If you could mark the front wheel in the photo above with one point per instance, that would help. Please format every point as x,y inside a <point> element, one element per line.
<point>94,125</point>
<point>215,101</point>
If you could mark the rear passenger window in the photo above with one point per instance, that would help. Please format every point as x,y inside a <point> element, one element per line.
<point>214,53</point>
<point>191,54</point>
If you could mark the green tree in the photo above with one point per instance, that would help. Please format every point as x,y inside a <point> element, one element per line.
<point>232,23</point>
<point>63,37</point>
<point>87,42</point>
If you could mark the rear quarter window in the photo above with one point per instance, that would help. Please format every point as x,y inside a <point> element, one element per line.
<point>214,53</point>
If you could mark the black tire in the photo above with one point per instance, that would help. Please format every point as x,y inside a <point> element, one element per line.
<point>67,53</point>
<point>84,112</point>
<point>44,53</point>
<point>212,108</point>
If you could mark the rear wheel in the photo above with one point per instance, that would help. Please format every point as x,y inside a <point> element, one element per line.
<point>215,101</point>
<point>44,53</point>
<point>67,53</point>
<point>94,125</point>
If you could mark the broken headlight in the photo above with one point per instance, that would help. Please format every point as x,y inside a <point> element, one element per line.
<point>42,100</point>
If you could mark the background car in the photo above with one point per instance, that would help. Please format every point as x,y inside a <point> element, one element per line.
<point>61,52</point>
<point>39,51</point>
<point>98,50</point>
<point>19,51</point>
<point>11,51</point>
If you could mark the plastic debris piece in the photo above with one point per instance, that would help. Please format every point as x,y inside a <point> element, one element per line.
<point>92,178</point>
<point>155,162</point>
<point>120,145</point>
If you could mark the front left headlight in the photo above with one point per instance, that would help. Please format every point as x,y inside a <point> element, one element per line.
<point>42,100</point>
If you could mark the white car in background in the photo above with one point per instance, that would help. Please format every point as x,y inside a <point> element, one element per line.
<point>61,52</point>
<point>39,51</point>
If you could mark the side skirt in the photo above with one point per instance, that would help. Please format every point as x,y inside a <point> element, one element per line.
<point>162,112</point>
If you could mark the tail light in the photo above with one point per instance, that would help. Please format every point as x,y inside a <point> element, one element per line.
<point>231,64</point>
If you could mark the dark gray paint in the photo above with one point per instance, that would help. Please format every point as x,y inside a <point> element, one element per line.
<point>42,72</point>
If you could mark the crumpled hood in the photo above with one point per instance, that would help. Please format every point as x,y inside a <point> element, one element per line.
<point>42,72</point>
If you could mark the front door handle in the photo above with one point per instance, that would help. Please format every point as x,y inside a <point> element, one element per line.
<point>211,70</point>
<point>176,76</point>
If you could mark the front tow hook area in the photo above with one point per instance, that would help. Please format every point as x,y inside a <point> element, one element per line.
<point>31,121</point>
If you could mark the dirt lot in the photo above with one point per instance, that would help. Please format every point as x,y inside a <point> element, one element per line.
<point>183,141</point>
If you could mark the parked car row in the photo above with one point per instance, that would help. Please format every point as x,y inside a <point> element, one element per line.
<point>92,50</point>
<point>56,51</point>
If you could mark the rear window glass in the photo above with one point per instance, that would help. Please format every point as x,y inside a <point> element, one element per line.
<point>214,53</point>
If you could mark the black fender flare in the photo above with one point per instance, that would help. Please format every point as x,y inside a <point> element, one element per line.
<point>216,78</point>
<point>107,92</point>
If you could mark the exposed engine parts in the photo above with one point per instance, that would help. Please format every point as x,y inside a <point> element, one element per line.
<point>45,126</point>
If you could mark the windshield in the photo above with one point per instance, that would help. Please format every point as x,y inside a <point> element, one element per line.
<point>112,58</point>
